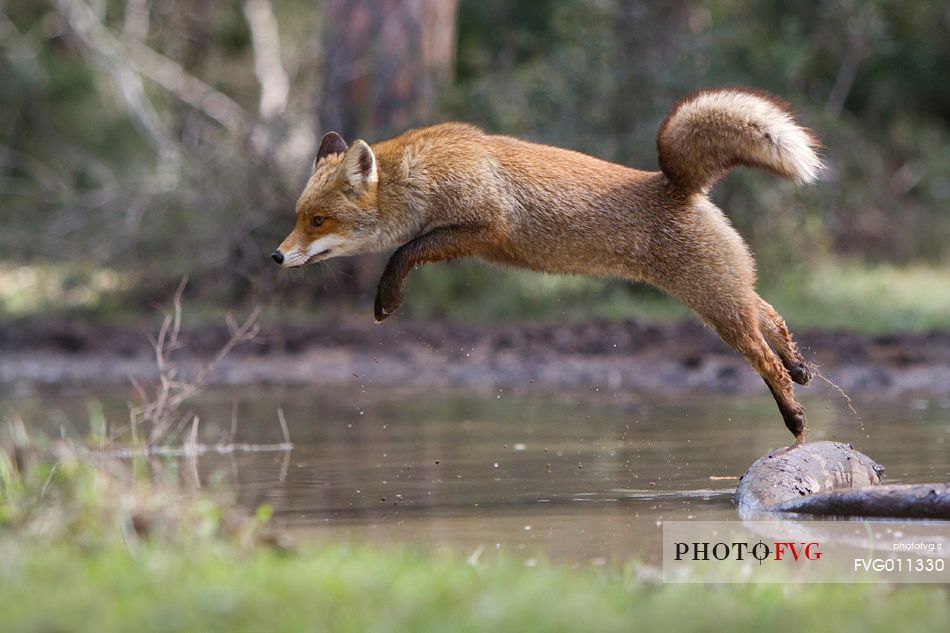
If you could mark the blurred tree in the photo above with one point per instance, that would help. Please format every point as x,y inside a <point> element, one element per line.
<point>386,64</point>
<point>164,137</point>
<point>600,76</point>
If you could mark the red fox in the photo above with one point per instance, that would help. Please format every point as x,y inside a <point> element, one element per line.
<point>451,190</point>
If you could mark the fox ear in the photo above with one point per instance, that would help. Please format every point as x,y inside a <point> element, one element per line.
<point>332,143</point>
<point>359,166</point>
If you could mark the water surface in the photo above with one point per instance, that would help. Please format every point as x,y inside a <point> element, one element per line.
<point>583,477</point>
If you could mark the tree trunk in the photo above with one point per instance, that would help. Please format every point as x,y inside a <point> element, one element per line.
<point>386,60</point>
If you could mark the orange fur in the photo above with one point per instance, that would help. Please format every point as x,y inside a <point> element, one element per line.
<point>450,191</point>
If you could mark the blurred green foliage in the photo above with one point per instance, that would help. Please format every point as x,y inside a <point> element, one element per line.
<point>605,74</point>
<point>83,180</point>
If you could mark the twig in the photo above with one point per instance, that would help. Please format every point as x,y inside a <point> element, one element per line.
<point>161,411</point>
<point>283,425</point>
<point>193,436</point>
<point>196,449</point>
<point>234,421</point>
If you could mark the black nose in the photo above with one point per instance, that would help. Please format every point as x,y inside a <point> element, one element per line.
<point>278,257</point>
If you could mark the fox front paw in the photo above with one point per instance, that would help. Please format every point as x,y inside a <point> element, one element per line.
<point>388,300</point>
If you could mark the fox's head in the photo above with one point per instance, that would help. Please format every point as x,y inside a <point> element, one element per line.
<point>337,212</point>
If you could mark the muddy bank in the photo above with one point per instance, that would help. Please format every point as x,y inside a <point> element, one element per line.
<point>668,359</point>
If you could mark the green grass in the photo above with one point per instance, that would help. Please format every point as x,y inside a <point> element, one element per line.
<point>98,547</point>
<point>833,294</point>
<point>473,292</point>
<point>33,289</point>
<point>338,588</point>
<point>875,299</point>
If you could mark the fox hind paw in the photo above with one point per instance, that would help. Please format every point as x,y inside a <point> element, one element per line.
<point>800,373</point>
<point>795,422</point>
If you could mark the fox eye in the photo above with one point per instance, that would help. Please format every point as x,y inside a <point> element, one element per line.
<point>317,220</point>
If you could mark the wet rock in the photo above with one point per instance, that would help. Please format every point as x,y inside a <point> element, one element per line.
<point>796,471</point>
<point>832,479</point>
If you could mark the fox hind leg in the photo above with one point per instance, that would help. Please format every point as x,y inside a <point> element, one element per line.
<point>719,284</point>
<point>777,334</point>
<point>741,331</point>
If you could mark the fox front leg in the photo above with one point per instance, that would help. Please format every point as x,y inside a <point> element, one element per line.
<point>439,245</point>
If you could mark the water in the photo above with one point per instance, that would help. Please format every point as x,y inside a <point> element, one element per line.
<point>583,477</point>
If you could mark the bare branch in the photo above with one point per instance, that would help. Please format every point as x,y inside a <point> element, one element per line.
<point>86,25</point>
<point>862,30</point>
<point>275,85</point>
<point>172,77</point>
<point>18,48</point>
<point>136,19</point>
<point>128,58</point>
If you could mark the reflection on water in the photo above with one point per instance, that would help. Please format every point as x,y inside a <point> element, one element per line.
<point>580,477</point>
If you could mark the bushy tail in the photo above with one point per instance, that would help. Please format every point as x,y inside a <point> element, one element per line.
<point>711,131</point>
